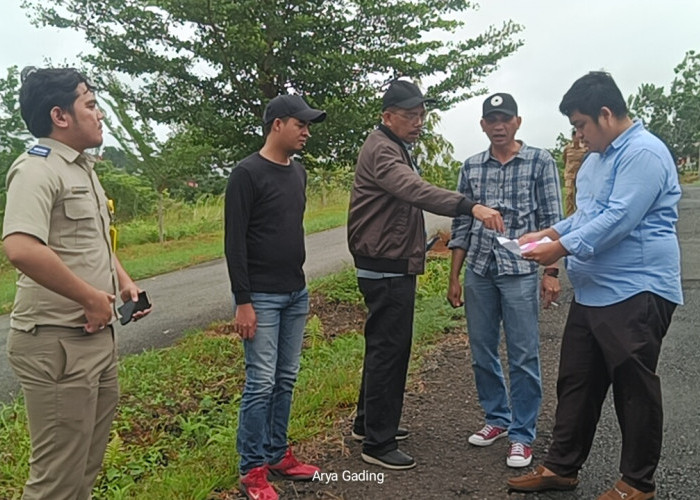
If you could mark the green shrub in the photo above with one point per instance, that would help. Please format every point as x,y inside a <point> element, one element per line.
<point>132,194</point>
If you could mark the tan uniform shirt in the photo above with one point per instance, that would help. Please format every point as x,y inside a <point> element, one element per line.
<point>572,161</point>
<point>58,199</point>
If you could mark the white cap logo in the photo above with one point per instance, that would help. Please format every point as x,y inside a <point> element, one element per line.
<point>496,100</point>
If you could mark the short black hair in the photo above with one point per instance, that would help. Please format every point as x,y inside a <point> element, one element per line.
<point>44,88</point>
<point>267,128</point>
<point>590,93</point>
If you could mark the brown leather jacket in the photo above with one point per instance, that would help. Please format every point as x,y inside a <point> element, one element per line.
<point>386,230</point>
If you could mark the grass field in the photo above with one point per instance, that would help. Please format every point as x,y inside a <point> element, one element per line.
<point>175,432</point>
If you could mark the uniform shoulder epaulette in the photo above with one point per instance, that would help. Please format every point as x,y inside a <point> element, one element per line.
<point>39,150</point>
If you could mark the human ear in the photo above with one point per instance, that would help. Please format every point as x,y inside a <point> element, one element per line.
<point>386,118</point>
<point>59,117</point>
<point>605,113</point>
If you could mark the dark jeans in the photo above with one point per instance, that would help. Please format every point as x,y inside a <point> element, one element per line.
<point>618,345</point>
<point>388,336</point>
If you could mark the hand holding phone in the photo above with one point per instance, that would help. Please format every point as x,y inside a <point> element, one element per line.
<point>128,308</point>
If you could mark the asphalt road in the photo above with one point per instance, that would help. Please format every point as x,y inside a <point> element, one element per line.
<point>197,296</point>
<point>678,475</point>
<point>189,299</point>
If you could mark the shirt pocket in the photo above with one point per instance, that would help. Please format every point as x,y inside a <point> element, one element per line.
<point>475,186</point>
<point>80,229</point>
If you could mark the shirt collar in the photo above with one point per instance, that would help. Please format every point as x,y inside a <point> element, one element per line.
<point>83,160</point>
<point>387,131</point>
<point>520,154</point>
<point>625,136</point>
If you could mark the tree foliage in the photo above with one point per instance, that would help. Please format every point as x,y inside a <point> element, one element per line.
<point>435,156</point>
<point>213,64</point>
<point>14,137</point>
<point>674,115</point>
<point>164,164</point>
<point>133,194</point>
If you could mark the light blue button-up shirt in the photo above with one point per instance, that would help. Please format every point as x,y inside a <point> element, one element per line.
<point>622,237</point>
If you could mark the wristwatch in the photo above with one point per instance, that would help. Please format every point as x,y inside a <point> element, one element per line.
<point>551,271</point>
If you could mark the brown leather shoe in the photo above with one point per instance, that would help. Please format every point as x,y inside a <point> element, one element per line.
<point>535,481</point>
<point>623,490</point>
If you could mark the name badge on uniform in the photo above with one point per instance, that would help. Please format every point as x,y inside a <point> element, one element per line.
<point>39,150</point>
<point>79,190</point>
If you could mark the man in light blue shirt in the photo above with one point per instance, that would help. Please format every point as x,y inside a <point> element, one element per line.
<point>623,259</point>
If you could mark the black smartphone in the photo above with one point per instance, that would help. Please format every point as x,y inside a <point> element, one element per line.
<point>128,308</point>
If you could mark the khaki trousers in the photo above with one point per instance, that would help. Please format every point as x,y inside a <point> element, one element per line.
<point>69,381</point>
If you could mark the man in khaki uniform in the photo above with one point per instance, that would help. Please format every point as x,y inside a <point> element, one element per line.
<point>56,233</point>
<point>574,152</point>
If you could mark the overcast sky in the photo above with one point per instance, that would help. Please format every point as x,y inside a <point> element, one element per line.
<point>637,41</point>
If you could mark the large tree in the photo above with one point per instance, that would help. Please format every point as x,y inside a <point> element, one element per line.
<point>213,64</point>
<point>674,115</point>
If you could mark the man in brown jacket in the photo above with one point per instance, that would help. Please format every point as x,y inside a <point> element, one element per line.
<point>386,236</point>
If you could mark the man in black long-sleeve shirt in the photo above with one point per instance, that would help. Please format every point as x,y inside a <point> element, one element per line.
<point>264,244</point>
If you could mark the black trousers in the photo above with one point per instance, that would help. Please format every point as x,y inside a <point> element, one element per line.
<point>388,336</point>
<point>618,345</point>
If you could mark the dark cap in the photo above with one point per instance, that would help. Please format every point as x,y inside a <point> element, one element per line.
<point>294,106</point>
<point>403,94</point>
<point>500,103</point>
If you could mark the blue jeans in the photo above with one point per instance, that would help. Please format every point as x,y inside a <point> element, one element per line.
<point>271,367</point>
<point>513,300</point>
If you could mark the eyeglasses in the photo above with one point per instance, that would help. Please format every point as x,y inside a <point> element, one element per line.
<point>497,118</point>
<point>413,117</point>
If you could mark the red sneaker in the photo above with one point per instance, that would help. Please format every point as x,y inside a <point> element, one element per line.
<point>255,485</point>
<point>519,455</point>
<point>487,435</point>
<point>290,468</point>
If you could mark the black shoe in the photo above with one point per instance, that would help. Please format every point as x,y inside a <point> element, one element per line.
<point>394,459</point>
<point>401,434</point>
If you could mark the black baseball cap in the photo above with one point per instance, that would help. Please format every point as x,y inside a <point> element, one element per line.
<point>294,106</point>
<point>403,94</point>
<point>500,103</point>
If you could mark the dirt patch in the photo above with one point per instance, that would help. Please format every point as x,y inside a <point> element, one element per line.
<point>441,410</point>
<point>337,318</point>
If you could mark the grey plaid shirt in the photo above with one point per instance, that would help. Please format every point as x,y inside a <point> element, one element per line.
<point>526,192</point>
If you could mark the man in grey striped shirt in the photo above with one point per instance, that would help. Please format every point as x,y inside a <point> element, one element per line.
<point>521,182</point>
